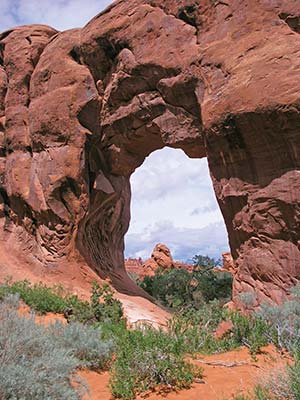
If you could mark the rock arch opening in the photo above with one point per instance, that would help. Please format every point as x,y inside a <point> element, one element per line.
<point>173,202</point>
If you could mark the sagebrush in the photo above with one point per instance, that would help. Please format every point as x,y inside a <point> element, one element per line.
<point>40,363</point>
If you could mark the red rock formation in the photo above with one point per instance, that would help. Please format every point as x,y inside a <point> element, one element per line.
<point>80,110</point>
<point>161,257</point>
<point>134,265</point>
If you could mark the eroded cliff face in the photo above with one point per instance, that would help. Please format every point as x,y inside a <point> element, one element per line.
<point>80,110</point>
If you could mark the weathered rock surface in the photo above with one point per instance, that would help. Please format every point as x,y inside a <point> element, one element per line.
<point>228,263</point>
<point>80,110</point>
<point>161,258</point>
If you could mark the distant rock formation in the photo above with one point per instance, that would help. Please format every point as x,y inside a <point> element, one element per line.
<point>134,265</point>
<point>80,110</point>
<point>160,258</point>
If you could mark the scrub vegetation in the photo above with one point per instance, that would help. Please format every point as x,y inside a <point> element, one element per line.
<point>41,362</point>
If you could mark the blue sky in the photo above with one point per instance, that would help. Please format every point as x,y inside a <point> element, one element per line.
<point>172,196</point>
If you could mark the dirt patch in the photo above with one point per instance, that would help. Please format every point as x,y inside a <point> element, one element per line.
<point>225,375</point>
<point>47,319</point>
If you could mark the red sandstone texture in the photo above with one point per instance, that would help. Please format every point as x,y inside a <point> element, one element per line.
<point>80,110</point>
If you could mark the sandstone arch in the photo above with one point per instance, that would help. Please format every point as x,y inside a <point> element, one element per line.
<point>81,109</point>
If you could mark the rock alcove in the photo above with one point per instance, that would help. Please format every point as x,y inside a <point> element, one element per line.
<point>80,110</point>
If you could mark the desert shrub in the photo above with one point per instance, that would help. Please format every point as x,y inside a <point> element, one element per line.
<point>38,362</point>
<point>104,306</point>
<point>41,298</point>
<point>214,285</point>
<point>293,372</point>
<point>38,296</point>
<point>282,328</point>
<point>249,331</point>
<point>206,262</point>
<point>195,328</point>
<point>84,342</point>
<point>147,358</point>
<point>283,321</point>
<point>170,287</point>
<point>32,365</point>
<point>178,288</point>
<point>260,393</point>
<point>77,310</point>
<point>248,299</point>
<point>280,383</point>
<point>211,283</point>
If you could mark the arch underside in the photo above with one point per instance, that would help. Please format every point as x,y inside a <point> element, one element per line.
<point>80,110</point>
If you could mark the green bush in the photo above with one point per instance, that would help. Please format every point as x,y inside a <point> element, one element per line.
<point>211,283</point>
<point>195,328</point>
<point>77,310</point>
<point>281,383</point>
<point>147,358</point>
<point>293,372</point>
<point>171,287</point>
<point>39,363</point>
<point>249,331</point>
<point>41,298</point>
<point>104,306</point>
<point>178,288</point>
<point>279,325</point>
<point>38,296</point>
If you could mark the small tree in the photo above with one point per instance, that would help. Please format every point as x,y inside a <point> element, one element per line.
<point>212,284</point>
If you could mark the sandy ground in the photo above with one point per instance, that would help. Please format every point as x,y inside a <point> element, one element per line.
<point>220,382</point>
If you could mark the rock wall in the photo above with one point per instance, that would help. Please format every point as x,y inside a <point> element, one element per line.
<point>80,110</point>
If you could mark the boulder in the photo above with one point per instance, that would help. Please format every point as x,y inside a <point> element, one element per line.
<point>161,258</point>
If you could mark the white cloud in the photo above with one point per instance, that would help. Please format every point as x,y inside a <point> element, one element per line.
<point>184,243</point>
<point>171,186</point>
<point>60,14</point>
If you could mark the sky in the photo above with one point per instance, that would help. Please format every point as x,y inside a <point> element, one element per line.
<point>173,202</point>
<point>60,14</point>
<point>172,196</point>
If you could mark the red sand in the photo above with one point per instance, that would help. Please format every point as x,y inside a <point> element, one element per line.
<point>219,382</point>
